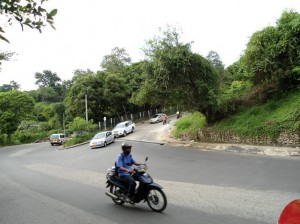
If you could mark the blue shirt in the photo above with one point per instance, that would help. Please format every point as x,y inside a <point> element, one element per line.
<point>126,161</point>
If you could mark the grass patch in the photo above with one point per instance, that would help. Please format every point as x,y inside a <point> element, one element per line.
<point>189,125</point>
<point>269,119</point>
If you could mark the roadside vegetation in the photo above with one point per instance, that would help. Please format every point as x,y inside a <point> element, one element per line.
<point>268,119</point>
<point>256,95</point>
<point>189,125</point>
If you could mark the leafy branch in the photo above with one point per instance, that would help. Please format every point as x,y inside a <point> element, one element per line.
<point>28,12</point>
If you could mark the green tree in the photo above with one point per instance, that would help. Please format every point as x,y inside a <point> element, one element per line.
<point>92,86</point>
<point>215,60</point>
<point>80,72</point>
<point>50,87</point>
<point>117,93</point>
<point>28,12</point>
<point>272,54</point>
<point>15,106</point>
<point>237,72</point>
<point>9,87</point>
<point>53,112</point>
<point>46,94</point>
<point>178,76</point>
<point>67,84</point>
<point>47,79</point>
<point>59,110</point>
<point>135,74</point>
<point>38,111</point>
<point>116,61</point>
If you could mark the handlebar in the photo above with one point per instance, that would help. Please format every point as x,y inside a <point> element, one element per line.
<point>141,168</point>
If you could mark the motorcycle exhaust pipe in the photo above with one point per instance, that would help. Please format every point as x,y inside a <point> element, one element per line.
<point>111,195</point>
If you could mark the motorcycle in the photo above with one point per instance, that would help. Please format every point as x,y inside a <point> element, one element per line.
<point>147,190</point>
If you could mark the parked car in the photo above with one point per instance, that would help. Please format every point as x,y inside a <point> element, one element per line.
<point>58,139</point>
<point>156,118</point>
<point>123,128</point>
<point>291,213</point>
<point>102,139</point>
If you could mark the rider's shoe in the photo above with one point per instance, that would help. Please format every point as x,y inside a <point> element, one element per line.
<point>131,199</point>
<point>128,199</point>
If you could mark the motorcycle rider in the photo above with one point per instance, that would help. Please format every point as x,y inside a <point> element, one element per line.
<point>178,114</point>
<point>124,165</point>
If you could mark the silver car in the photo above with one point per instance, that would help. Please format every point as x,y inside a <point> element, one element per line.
<point>156,118</point>
<point>102,139</point>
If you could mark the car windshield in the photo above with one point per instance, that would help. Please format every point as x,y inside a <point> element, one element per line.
<point>155,116</point>
<point>55,136</point>
<point>99,135</point>
<point>120,125</point>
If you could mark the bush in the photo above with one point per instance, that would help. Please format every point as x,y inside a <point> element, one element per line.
<point>189,125</point>
<point>24,137</point>
<point>81,125</point>
<point>79,139</point>
<point>3,139</point>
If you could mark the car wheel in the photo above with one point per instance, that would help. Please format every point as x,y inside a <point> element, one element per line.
<point>52,144</point>
<point>124,133</point>
<point>132,129</point>
<point>105,144</point>
<point>113,140</point>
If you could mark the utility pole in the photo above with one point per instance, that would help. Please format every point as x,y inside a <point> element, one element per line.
<point>64,125</point>
<point>86,110</point>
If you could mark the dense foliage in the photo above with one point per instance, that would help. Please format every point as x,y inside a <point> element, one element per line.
<point>272,54</point>
<point>15,106</point>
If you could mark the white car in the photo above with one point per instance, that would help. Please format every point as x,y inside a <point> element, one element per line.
<point>123,128</point>
<point>102,139</point>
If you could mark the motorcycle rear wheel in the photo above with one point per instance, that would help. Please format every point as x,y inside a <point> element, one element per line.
<point>113,189</point>
<point>157,200</point>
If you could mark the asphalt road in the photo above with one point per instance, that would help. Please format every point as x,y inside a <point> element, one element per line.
<point>41,184</point>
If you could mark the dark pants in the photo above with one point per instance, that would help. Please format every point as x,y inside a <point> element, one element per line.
<point>130,182</point>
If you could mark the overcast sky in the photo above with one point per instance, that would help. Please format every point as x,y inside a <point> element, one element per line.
<point>88,30</point>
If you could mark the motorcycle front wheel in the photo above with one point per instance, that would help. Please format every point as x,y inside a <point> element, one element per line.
<point>114,190</point>
<point>157,200</point>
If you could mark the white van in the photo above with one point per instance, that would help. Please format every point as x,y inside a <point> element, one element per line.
<point>58,139</point>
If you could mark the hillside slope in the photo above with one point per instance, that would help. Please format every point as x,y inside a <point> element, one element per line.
<point>268,121</point>
<point>275,122</point>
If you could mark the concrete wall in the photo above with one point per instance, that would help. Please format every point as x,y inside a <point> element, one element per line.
<point>286,138</point>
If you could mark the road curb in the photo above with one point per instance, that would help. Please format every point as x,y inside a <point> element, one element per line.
<point>72,146</point>
<point>150,142</point>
